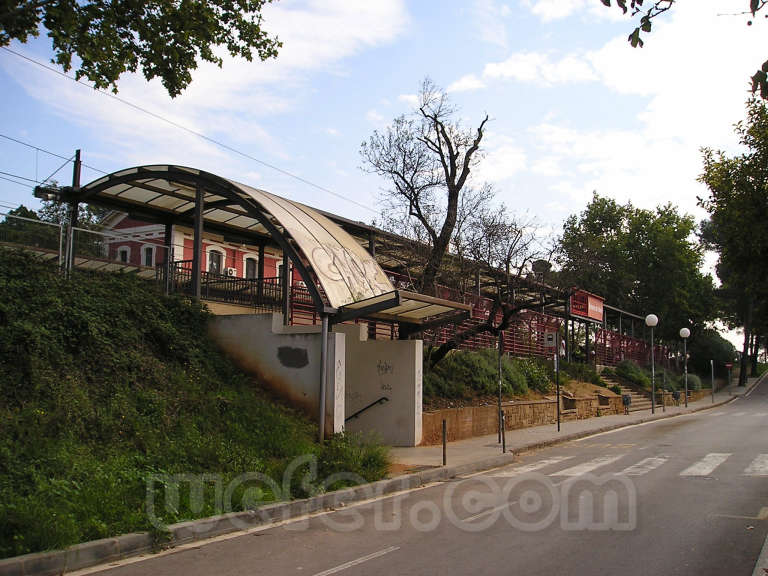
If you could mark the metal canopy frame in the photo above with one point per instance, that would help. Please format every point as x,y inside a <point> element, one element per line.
<point>169,194</point>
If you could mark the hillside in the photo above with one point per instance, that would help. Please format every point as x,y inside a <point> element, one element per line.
<point>105,382</point>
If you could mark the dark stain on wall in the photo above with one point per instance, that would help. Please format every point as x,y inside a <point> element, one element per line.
<point>292,357</point>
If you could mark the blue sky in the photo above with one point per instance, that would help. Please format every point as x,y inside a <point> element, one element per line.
<point>573,108</point>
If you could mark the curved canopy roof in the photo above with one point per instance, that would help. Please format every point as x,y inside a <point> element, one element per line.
<point>347,275</point>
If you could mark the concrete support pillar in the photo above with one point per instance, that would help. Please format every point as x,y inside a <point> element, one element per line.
<point>323,375</point>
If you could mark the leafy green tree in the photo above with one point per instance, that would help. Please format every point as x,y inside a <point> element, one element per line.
<point>647,16</point>
<point>165,38</point>
<point>708,345</point>
<point>738,209</point>
<point>641,260</point>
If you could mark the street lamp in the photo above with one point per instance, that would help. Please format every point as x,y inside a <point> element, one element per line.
<point>684,333</point>
<point>651,320</point>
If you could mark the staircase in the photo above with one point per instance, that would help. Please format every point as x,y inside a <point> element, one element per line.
<point>640,401</point>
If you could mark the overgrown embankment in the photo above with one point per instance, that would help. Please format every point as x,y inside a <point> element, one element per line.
<point>103,383</point>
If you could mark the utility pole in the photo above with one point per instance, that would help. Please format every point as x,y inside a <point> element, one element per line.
<point>73,209</point>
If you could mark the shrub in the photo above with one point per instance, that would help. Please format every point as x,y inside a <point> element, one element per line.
<point>536,375</point>
<point>581,372</point>
<point>616,389</point>
<point>631,372</point>
<point>462,373</point>
<point>694,382</point>
<point>356,455</point>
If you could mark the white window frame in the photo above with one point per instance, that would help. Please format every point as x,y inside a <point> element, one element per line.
<point>124,250</point>
<point>144,248</point>
<point>255,257</point>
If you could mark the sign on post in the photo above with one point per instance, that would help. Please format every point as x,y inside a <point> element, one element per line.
<point>550,339</point>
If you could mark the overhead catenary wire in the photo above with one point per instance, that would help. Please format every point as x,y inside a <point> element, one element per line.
<point>39,149</point>
<point>190,130</point>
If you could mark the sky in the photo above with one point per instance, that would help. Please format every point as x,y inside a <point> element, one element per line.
<point>573,108</point>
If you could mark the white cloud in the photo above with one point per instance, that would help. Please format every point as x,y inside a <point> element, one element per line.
<point>504,158</point>
<point>535,67</point>
<point>332,132</point>
<point>375,118</point>
<point>489,21</point>
<point>467,83</point>
<point>410,99</point>
<point>549,10</point>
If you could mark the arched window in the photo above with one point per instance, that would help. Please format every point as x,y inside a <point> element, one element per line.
<point>251,267</point>
<point>124,254</point>
<point>215,259</point>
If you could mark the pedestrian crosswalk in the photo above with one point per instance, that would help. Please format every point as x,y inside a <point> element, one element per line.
<point>706,465</point>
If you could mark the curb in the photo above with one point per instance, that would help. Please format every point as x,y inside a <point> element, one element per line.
<point>108,550</point>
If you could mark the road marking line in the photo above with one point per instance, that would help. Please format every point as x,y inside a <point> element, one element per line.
<point>762,515</point>
<point>530,467</point>
<point>706,465</point>
<point>718,413</point>
<point>759,413</point>
<point>643,467</point>
<point>585,467</point>
<point>739,414</point>
<point>357,561</point>
<point>758,467</point>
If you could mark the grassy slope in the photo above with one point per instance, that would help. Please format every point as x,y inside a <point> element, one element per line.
<point>103,382</point>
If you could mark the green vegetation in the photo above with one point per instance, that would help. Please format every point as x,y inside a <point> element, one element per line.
<point>694,382</point>
<point>462,374</point>
<point>103,384</point>
<point>709,345</point>
<point>615,388</point>
<point>581,372</point>
<point>631,372</point>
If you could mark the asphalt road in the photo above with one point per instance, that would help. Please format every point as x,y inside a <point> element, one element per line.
<point>686,495</point>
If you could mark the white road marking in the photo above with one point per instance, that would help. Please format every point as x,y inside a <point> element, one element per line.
<point>643,467</point>
<point>530,467</point>
<point>760,414</point>
<point>759,466</point>
<point>738,414</point>
<point>357,561</point>
<point>706,465</point>
<point>585,467</point>
<point>718,413</point>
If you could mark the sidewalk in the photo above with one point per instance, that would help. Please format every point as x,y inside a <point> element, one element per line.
<point>481,448</point>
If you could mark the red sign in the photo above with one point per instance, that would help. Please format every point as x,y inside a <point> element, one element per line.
<point>729,365</point>
<point>587,305</point>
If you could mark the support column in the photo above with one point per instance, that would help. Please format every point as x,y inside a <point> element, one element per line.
<point>567,331</point>
<point>323,375</point>
<point>197,243</point>
<point>169,269</point>
<point>586,340</point>
<point>285,281</point>
<point>260,276</point>
<point>372,243</point>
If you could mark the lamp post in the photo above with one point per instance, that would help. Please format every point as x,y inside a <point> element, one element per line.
<point>651,320</point>
<point>684,333</point>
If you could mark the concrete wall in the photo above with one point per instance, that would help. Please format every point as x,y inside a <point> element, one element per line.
<point>287,360</point>
<point>383,368</point>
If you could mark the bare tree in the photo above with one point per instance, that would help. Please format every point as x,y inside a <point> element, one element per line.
<point>428,157</point>
<point>505,247</point>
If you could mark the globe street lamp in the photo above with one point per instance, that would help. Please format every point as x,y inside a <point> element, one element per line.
<point>684,333</point>
<point>651,320</point>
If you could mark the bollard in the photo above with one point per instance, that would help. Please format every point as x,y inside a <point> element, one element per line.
<point>445,440</point>
<point>503,433</point>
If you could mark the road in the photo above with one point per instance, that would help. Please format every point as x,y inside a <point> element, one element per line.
<point>686,495</point>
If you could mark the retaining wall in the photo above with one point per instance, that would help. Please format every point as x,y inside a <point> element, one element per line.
<point>473,421</point>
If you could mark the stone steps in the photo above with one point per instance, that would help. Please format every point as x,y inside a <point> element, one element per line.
<point>640,400</point>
